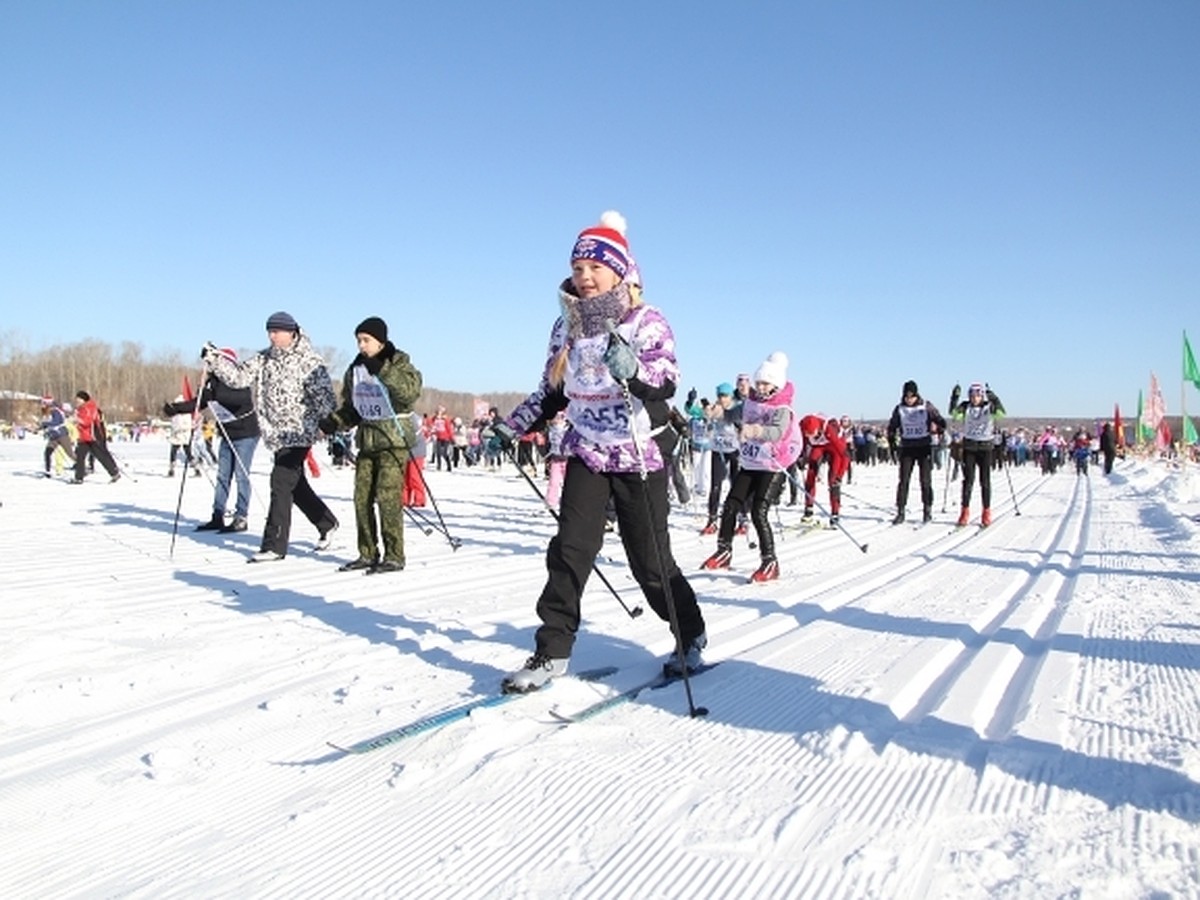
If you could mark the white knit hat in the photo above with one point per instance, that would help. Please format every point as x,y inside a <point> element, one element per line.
<point>773,370</point>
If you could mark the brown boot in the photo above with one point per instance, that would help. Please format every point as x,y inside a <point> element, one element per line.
<point>986,519</point>
<point>964,517</point>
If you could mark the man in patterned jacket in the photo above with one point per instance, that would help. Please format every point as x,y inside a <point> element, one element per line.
<point>292,392</point>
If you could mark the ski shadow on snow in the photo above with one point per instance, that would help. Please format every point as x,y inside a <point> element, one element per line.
<point>467,531</point>
<point>744,695</point>
<point>629,664</point>
<point>371,625</point>
<point>1073,568</point>
<point>1144,652</point>
<point>482,533</point>
<point>148,517</point>
<point>488,519</point>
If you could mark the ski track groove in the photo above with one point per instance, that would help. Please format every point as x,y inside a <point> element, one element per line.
<point>751,627</point>
<point>873,800</point>
<point>948,667</point>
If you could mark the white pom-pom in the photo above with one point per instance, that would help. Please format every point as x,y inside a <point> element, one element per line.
<point>614,220</point>
<point>779,358</point>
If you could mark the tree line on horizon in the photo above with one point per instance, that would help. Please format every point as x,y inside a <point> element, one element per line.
<point>131,385</point>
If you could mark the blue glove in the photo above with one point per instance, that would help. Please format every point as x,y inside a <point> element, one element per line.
<point>622,362</point>
<point>502,437</point>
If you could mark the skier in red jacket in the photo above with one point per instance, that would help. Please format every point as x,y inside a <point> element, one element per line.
<point>824,441</point>
<point>92,438</point>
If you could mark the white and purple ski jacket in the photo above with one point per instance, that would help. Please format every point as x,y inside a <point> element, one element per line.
<point>600,432</point>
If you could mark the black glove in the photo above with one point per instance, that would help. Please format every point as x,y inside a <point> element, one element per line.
<point>208,351</point>
<point>955,395</point>
<point>503,437</point>
<point>328,425</point>
<point>991,395</point>
<point>691,398</point>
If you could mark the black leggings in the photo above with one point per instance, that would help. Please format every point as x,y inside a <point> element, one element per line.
<point>977,458</point>
<point>760,490</point>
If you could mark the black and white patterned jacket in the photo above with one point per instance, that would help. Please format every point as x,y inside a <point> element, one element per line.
<point>292,391</point>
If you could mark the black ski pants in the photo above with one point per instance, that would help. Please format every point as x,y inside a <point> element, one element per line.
<point>573,550</point>
<point>920,456</point>
<point>176,449</point>
<point>99,450</point>
<point>977,457</point>
<point>290,485</point>
<point>759,490</point>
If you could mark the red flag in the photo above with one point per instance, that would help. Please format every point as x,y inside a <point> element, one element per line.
<point>188,393</point>
<point>1118,425</point>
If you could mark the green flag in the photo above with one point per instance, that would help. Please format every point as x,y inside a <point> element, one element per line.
<point>1190,371</point>
<point>1189,431</point>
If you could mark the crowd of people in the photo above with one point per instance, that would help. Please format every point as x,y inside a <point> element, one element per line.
<point>602,426</point>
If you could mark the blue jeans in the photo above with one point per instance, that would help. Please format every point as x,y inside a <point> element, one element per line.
<point>227,467</point>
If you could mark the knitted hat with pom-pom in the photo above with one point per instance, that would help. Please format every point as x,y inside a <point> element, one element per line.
<point>605,243</point>
<point>773,370</point>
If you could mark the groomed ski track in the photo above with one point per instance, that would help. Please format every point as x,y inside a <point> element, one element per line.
<point>887,724</point>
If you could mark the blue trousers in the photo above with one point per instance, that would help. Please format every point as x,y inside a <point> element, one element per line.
<point>233,460</point>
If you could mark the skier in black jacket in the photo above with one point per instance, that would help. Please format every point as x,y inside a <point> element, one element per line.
<point>237,422</point>
<point>913,423</point>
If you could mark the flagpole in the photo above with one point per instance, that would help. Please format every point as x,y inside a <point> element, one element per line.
<point>1185,449</point>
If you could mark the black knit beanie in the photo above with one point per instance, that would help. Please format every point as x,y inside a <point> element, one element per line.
<point>375,327</point>
<point>910,387</point>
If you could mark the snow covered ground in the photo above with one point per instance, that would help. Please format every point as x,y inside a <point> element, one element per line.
<point>1006,713</point>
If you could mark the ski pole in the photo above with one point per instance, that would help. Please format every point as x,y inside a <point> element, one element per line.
<point>1016,509</point>
<point>455,543</point>
<point>823,511</point>
<point>121,466</point>
<point>420,523</point>
<point>424,523</point>
<point>633,613</point>
<point>778,523</point>
<point>183,480</point>
<point>243,465</point>
<point>668,596</point>
<point>946,487</point>
<point>859,500</point>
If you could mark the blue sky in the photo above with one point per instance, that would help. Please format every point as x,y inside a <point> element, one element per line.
<point>943,191</point>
